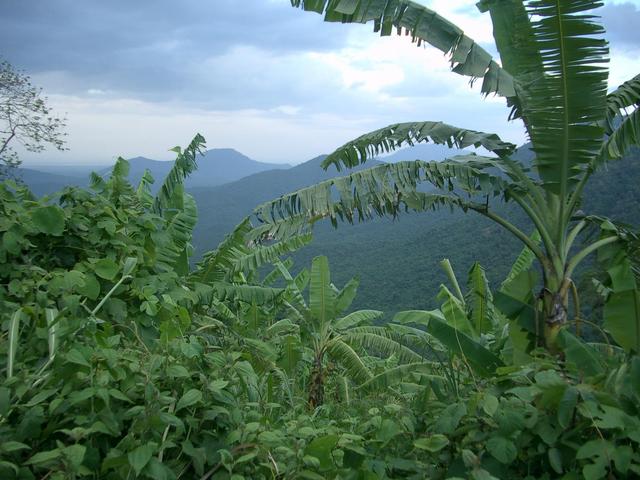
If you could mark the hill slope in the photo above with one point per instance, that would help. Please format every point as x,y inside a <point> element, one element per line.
<point>215,167</point>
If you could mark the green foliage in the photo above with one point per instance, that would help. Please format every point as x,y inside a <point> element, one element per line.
<point>121,361</point>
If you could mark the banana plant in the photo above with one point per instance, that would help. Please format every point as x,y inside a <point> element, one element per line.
<point>344,340</point>
<point>553,75</point>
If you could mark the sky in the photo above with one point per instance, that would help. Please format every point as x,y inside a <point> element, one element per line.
<point>136,78</point>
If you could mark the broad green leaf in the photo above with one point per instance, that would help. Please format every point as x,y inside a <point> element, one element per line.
<point>46,457</point>
<point>191,397</point>
<point>502,449</point>
<point>555,459</point>
<point>449,419</point>
<point>139,457</point>
<point>177,371</point>
<point>481,359</point>
<point>322,448</point>
<point>74,356</point>
<point>13,446</point>
<point>106,268</point>
<point>567,406</point>
<point>433,444</point>
<point>346,356</point>
<point>490,404</point>
<point>91,287</point>
<point>622,318</point>
<point>11,241</point>
<point>578,353</point>
<point>49,219</point>
<point>75,454</point>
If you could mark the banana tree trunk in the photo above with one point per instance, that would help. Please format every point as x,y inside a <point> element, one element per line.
<point>316,383</point>
<point>555,308</point>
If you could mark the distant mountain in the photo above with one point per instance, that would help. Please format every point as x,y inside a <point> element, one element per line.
<point>216,167</point>
<point>44,183</point>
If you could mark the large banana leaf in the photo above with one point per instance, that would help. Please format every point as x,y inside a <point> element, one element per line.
<point>216,264</point>
<point>467,57</point>
<point>622,309</point>
<point>480,300</point>
<point>478,357</point>
<point>179,228</point>
<point>259,255</point>
<point>386,190</point>
<point>397,135</point>
<point>566,103</point>
<point>398,374</point>
<point>346,356</point>
<point>356,318</point>
<point>624,137</point>
<point>220,291</point>
<point>625,96</point>
<point>380,340</point>
<point>322,298</point>
<point>183,166</point>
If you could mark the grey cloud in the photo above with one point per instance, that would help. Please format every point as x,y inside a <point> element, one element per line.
<point>621,22</point>
<point>147,49</point>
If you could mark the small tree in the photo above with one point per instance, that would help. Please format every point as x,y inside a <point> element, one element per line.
<point>25,118</point>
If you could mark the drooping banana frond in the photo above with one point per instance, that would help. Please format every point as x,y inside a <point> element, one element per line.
<point>386,190</point>
<point>118,184</point>
<point>356,318</point>
<point>567,103</point>
<point>424,25</point>
<point>220,291</point>
<point>380,340</point>
<point>350,360</point>
<point>625,96</point>
<point>178,230</point>
<point>143,192</point>
<point>258,255</point>
<point>183,166</point>
<point>621,139</point>
<point>395,136</point>
<point>216,264</point>
<point>394,376</point>
<point>96,182</point>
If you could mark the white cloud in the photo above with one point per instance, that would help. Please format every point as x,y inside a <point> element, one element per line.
<point>101,130</point>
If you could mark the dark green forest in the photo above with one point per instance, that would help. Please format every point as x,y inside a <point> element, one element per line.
<point>476,316</point>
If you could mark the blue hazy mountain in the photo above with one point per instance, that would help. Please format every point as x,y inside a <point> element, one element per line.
<point>215,167</point>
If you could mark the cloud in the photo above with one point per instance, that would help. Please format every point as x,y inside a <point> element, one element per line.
<point>278,84</point>
<point>621,21</point>
<point>149,49</point>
